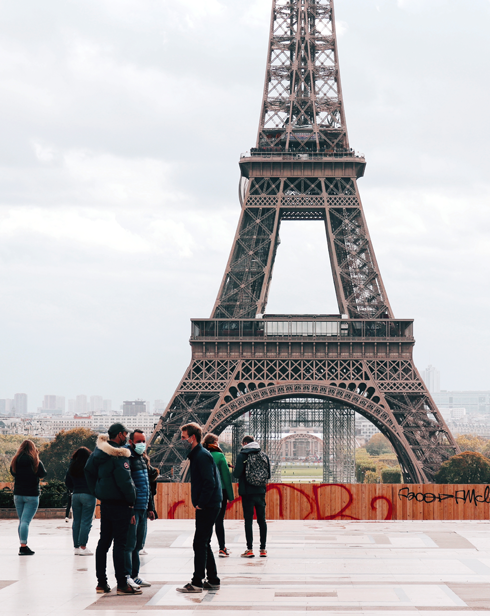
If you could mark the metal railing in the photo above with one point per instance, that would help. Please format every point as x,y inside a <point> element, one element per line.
<point>301,155</point>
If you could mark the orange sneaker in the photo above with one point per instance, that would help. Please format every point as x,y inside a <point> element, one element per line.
<point>263,553</point>
<point>248,554</point>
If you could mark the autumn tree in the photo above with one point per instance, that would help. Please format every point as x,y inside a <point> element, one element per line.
<point>56,454</point>
<point>378,444</point>
<point>466,467</point>
<point>471,442</point>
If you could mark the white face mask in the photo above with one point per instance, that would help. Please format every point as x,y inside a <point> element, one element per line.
<point>140,448</point>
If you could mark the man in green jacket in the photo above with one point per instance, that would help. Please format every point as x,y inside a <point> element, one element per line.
<point>211,444</point>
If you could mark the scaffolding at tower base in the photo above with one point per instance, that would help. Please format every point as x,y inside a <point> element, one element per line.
<point>269,423</point>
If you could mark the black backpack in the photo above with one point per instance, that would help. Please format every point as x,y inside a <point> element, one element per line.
<point>257,469</point>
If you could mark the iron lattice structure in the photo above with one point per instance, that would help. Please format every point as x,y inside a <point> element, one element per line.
<point>303,168</point>
<point>269,422</point>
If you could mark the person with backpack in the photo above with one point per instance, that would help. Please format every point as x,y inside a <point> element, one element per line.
<point>253,470</point>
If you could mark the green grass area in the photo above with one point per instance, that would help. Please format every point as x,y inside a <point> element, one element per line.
<point>302,471</point>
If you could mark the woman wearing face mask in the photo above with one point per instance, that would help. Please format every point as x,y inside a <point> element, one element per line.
<point>83,503</point>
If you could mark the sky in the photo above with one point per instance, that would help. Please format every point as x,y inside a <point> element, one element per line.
<point>122,123</point>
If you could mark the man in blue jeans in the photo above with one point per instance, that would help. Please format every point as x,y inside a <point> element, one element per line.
<point>206,495</point>
<point>144,507</point>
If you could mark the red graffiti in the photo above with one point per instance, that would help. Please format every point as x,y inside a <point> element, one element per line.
<point>173,509</point>
<point>312,501</point>
<point>389,514</point>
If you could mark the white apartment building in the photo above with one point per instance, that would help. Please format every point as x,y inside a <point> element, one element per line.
<point>50,426</point>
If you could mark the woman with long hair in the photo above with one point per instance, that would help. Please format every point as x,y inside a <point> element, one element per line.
<point>83,503</point>
<point>210,442</point>
<point>27,469</point>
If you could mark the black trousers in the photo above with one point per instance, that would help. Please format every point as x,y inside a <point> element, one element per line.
<point>203,556</point>
<point>249,503</point>
<point>219,524</point>
<point>114,525</point>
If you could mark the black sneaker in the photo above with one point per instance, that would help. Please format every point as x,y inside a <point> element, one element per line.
<point>25,551</point>
<point>103,588</point>
<point>128,590</point>
<point>208,586</point>
<point>189,588</point>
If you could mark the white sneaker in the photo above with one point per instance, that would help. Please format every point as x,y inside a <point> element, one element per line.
<point>141,582</point>
<point>77,552</point>
<point>143,552</point>
<point>84,552</point>
<point>132,583</point>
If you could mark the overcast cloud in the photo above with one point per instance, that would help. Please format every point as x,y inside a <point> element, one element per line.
<point>122,123</point>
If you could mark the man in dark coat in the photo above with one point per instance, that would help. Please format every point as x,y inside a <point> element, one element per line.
<point>206,495</point>
<point>253,496</point>
<point>108,477</point>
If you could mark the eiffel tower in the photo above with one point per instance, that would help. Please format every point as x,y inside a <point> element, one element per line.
<point>303,168</point>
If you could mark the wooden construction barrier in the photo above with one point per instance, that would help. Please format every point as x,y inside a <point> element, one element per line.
<point>303,501</point>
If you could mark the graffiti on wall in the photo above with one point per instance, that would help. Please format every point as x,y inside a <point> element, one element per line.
<point>312,501</point>
<point>288,501</point>
<point>459,496</point>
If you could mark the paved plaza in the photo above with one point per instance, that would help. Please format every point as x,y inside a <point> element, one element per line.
<point>333,567</point>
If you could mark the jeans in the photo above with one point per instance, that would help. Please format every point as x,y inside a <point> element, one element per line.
<point>83,507</point>
<point>26,509</point>
<point>249,503</point>
<point>203,556</point>
<point>134,542</point>
<point>114,524</point>
<point>219,524</point>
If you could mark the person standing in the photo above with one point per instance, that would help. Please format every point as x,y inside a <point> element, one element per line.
<point>144,507</point>
<point>26,469</point>
<point>253,470</point>
<point>206,495</point>
<point>82,501</point>
<point>109,479</point>
<point>211,444</point>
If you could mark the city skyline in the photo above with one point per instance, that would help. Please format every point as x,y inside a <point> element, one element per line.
<point>101,238</point>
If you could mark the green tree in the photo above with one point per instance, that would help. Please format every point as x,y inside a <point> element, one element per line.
<point>472,442</point>
<point>9,443</point>
<point>378,444</point>
<point>466,467</point>
<point>486,450</point>
<point>371,477</point>
<point>391,475</point>
<point>56,454</point>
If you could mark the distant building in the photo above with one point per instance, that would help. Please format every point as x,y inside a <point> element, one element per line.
<point>432,379</point>
<point>159,406</point>
<point>364,427</point>
<point>20,403</point>
<point>475,402</point>
<point>96,404</point>
<point>132,408</point>
<point>53,405</point>
<point>6,406</point>
<point>81,405</point>
<point>107,406</point>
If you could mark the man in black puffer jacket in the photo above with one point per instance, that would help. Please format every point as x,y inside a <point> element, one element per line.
<point>108,477</point>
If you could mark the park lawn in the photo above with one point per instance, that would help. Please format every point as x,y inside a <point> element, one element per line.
<point>302,471</point>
